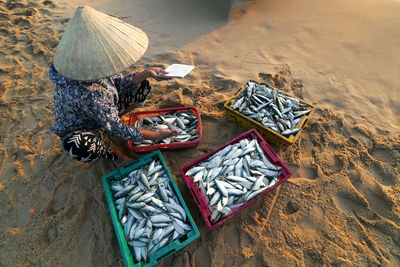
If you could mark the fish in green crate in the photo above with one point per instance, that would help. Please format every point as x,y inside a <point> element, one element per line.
<point>271,108</point>
<point>148,210</point>
<point>184,122</point>
<point>233,176</point>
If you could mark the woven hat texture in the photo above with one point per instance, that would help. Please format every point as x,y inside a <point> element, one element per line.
<point>96,45</point>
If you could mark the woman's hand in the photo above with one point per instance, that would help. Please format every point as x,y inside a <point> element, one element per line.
<point>152,72</point>
<point>162,134</point>
<point>166,133</point>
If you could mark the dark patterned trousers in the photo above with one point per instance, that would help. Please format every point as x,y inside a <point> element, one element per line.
<point>89,145</point>
<point>134,98</point>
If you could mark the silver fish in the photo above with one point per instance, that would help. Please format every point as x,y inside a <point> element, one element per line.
<point>160,219</point>
<point>183,121</point>
<point>242,172</point>
<point>193,171</point>
<point>144,180</point>
<point>148,209</point>
<point>198,176</point>
<point>221,188</point>
<point>124,191</point>
<point>270,108</point>
<point>158,235</point>
<point>145,197</point>
<point>237,103</point>
<point>174,206</point>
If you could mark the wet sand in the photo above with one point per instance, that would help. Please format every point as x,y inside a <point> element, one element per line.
<point>341,207</point>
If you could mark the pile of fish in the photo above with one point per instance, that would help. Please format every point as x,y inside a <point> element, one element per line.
<point>148,210</point>
<point>270,107</point>
<point>183,121</point>
<point>233,176</point>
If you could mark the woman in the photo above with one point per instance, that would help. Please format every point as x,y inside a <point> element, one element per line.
<point>95,46</point>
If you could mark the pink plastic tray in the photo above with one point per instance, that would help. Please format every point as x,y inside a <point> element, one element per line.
<point>200,197</point>
<point>173,146</point>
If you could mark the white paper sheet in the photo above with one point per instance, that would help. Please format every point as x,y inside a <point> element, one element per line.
<point>177,71</point>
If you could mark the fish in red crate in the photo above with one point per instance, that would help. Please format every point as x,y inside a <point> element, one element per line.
<point>184,122</point>
<point>233,176</point>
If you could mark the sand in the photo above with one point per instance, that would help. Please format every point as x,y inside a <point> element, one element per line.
<point>341,206</point>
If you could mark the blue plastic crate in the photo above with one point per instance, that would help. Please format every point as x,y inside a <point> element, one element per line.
<point>169,249</point>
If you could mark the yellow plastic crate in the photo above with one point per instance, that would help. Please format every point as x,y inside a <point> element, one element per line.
<point>268,134</point>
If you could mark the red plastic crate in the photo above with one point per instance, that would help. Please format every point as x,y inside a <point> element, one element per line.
<point>150,113</point>
<point>199,195</point>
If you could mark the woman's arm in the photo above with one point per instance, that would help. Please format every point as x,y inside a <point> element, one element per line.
<point>105,113</point>
<point>99,105</point>
<point>129,82</point>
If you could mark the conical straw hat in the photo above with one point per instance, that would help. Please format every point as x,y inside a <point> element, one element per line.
<point>96,45</point>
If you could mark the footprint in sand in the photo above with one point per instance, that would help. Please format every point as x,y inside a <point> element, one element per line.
<point>352,206</point>
<point>11,5</point>
<point>291,208</point>
<point>218,135</point>
<point>222,83</point>
<point>276,80</point>
<point>312,257</point>
<point>12,40</point>
<point>355,178</point>
<point>265,77</point>
<point>186,91</point>
<point>22,213</point>
<point>175,98</point>
<point>310,172</point>
<point>202,257</point>
<point>360,135</point>
<point>337,164</point>
<point>49,3</point>
<point>245,239</point>
<point>51,234</point>
<point>304,172</point>
<point>29,118</point>
<point>386,174</point>
<point>231,236</point>
<point>297,88</point>
<point>381,203</point>
<point>27,12</point>
<point>267,26</point>
<point>45,12</point>
<point>379,200</point>
<point>329,162</point>
<point>382,154</point>
<point>21,22</point>
<point>60,197</point>
<point>279,58</point>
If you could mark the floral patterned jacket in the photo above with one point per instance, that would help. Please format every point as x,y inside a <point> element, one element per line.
<point>87,105</point>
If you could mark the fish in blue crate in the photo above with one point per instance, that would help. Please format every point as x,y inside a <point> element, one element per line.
<point>233,176</point>
<point>148,210</point>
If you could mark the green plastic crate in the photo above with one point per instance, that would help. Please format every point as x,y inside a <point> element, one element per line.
<point>164,252</point>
